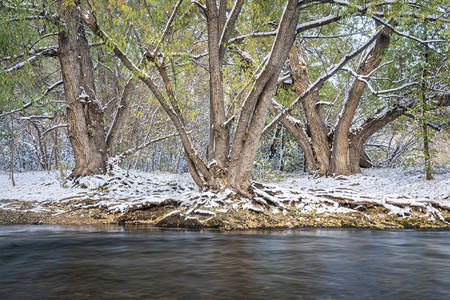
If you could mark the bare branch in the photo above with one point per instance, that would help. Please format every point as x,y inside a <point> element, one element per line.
<point>317,23</point>
<point>142,146</point>
<point>25,106</point>
<point>199,5</point>
<point>51,51</point>
<point>300,28</point>
<point>53,128</point>
<point>27,18</point>
<point>229,25</point>
<point>423,42</point>
<point>375,92</point>
<point>28,104</point>
<point>28,118</point>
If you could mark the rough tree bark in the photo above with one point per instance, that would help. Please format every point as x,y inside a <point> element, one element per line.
<point>84,111</point>
<point>316,122</point>
<point>256,106</point>
<point>340,160</point>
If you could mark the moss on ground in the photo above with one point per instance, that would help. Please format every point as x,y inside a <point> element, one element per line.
<point>232,220</point>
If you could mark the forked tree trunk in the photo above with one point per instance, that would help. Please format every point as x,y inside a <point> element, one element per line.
<point>341,160</point>
<point>84,111</point>
<point>336,153</point>
<point>230,164</point>
<point>253,116</point>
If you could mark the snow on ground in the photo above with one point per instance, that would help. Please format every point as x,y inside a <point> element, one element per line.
<point>120,191</point>
<point>47,186</point>
<point>379,183</point>
<point>121,186</point>
<point>35,186</point>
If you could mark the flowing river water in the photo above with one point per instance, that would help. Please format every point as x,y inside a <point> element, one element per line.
<point>112,262</point>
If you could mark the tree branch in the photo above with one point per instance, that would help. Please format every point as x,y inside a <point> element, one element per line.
<point>28,104</point>
<point>228,27</point>
<point>300,28</point>
<point>372,90</point>
<point>423,42</point>
<point>169,23</point>
<point>319,82</point>
<point>142,146</point>
<point>51,51</point>
<point>199,5</point>
<point>119,117</point>
<point>53,128</point>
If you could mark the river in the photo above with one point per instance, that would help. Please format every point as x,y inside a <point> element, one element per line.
<point>113,262</point>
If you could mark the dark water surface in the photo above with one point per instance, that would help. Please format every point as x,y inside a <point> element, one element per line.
<point>57,262</point>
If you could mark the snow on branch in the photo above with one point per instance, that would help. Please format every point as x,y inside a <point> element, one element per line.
<point>27,18</point>
<point>28,118</point>
<point>253,34</point>
<point>199,5</point>
<point>53,128</point>
<point>319,82</point>
<point>142,146</point>
<point>300,28</point>
<point>316,23</point>
<point>400,33</point>
<point>28,104</point>
<point>324,103</point>
<point>375,92</point>
<point>51,51</point>
<point>25,106</point>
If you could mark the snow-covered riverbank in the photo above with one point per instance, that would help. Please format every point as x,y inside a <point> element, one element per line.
<point>295,200</point>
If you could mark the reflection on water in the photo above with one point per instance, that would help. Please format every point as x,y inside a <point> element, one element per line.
<point>41,262</point>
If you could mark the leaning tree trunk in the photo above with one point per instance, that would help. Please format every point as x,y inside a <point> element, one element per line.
<point>253,115</point>
<point>341,159</point>
<point>316,122</point>
<point>84,111</point>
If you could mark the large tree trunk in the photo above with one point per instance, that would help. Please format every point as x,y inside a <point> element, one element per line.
<point>341,157</point>
<point>256,106</point>
<point>84,111</point>
<point>218,147</point>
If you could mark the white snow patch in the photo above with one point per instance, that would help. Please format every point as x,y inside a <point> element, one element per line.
<point>122,191</point>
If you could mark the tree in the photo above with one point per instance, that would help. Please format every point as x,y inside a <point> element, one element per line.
<point>214,66</point>
<point>230,162</point>
<point>339,149</point>
<point>85,107</point>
